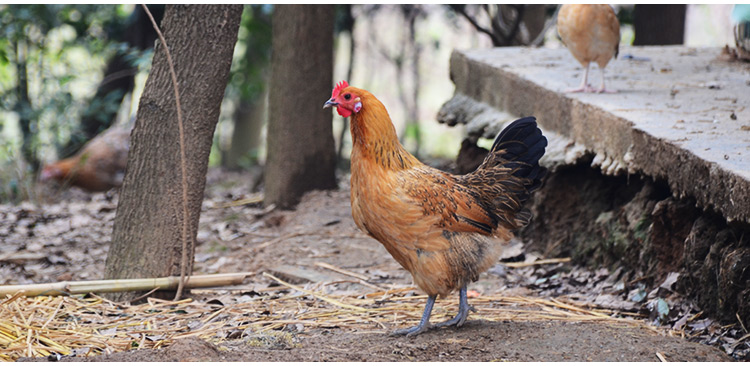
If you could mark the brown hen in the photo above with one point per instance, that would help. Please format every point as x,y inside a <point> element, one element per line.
<point>444,229</point>
<point>592,34</point>
<point>99,166</point>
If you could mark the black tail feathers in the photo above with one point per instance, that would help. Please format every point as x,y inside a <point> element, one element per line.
<point>520,146</point>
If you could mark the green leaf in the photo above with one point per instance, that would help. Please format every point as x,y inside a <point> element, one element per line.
<point>65,79</point>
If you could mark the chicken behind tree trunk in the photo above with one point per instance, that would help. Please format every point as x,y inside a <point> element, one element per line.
<point>99,166</point>
<point>444,229</point>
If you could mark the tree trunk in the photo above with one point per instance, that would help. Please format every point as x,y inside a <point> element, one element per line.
<point>301,152</point>
<point>250,115</point>
<point>412,129</point>
<point>532,25</point>
<point>661,24</point>
<point>347,26</point>
<point>248,123</point>
<point>147,235</point>
<point>23,106</point>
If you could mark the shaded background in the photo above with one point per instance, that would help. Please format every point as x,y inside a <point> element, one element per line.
<point>54,58</point>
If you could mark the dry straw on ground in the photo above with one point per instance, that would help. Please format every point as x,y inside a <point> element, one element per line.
<point>58,325</point>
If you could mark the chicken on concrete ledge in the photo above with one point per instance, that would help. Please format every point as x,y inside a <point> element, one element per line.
<point>592,34</point>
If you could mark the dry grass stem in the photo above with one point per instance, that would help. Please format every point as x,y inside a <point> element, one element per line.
<point>661,357</point>
<point>537,262</point>
<point>342,271</point>
<point>326,299</point>
<point>246,201</point>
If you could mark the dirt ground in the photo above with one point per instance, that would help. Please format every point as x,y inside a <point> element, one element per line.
<point>475,341</point>
<point>67,239</point>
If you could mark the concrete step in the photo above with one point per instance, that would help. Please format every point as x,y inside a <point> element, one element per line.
<point>681,114</point>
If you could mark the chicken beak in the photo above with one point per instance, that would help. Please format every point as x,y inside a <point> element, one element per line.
<point>330,103</point>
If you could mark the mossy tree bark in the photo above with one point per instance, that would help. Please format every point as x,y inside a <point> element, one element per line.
<point>147,235</point>
<point>301,151</point>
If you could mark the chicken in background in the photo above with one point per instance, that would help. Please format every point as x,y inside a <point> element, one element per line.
<point>592,34</point>
<point>444,229</point>
<point>99,166</point>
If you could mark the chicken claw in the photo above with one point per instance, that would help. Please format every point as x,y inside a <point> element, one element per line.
<point>463,311</point>
<point>424,324</point>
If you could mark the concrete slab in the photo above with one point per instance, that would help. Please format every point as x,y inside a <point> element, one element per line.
<point>682,114</point>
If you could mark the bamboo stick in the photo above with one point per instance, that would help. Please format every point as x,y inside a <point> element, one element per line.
<point>22,257</point>
<point>121,285</point>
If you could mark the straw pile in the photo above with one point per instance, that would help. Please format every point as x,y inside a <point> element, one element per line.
<point>83,326</point>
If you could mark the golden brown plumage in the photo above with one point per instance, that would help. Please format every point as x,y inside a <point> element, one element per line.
<point>592,34</point>
<point>99,166</point>
<point>444,229</point>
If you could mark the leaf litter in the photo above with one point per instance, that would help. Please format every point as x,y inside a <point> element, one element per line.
<point>68,239</point>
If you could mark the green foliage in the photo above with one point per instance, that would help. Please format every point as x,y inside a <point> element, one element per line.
<point>91,23</point>
<point>50,55</point>
<point>412,130</point>
<point>249,73</point>
<point>625,15</point>
<point>248,78</point>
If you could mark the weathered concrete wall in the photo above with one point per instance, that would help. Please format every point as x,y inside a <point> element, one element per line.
<point>654,179</point>
<point>634,223</point>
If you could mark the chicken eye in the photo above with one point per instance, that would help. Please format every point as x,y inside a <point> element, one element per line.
<point>347,96</point>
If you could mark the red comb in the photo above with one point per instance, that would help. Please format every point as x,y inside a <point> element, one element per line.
<point>343,84</point>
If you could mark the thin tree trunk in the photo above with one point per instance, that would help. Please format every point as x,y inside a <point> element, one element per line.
<point>301,149</point>
<point>659,24</point>
<point>23,106</point>
<point>250,115</point>
<point>147,235</point>
<point>532,24</point>
<point>248,123</point>
<point>416,55</point>
<point>347,27</point>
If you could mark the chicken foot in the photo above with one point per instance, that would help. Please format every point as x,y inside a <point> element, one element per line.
<point>602,89</point>
<point>424,323</point>
<point>585,87</point>
<point>463,311</point>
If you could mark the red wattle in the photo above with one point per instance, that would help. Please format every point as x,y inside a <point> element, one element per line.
<point>343,112</point>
